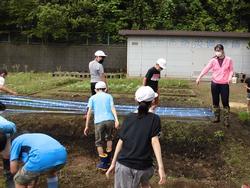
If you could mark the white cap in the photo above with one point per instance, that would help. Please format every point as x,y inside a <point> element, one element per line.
<point>100,53</point>
<point>100,85</point>
<point>161,62</point>
<point>145,93</point>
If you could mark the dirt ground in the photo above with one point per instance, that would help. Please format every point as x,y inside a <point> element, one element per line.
<point>224,165</point>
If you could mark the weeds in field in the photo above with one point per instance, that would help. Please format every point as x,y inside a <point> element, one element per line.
<point>190,138</point>
<point>219,135</point>
<point>27,83</point>
<point>16,67</point>
<point>244,116</point>
<point>128,85</point>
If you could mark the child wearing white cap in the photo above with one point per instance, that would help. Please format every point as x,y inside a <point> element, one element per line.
<point>96,70</point>
<point>152,78</point>
<point>105,119</point>
<point>138,137</point>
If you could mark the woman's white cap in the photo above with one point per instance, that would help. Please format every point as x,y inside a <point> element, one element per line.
<point>100,53</point>
<point>100,85</point>
<point>161,62</point>
<point>145,93</point>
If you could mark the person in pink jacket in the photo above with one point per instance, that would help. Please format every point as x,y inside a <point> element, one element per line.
<point>222,72</point>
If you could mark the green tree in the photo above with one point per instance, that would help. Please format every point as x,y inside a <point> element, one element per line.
<point>51,21</point>
<point>82,18</point>
<point>101,19</point>
<point>22,14</point>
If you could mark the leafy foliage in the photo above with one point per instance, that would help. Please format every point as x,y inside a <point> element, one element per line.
<point>102,19</point>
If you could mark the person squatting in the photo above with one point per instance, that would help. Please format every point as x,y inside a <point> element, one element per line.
<point>38,153</point>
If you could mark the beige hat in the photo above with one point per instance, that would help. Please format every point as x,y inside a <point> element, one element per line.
<point>145,93</point>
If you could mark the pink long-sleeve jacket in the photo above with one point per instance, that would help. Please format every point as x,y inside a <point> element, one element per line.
<point>220,74</point>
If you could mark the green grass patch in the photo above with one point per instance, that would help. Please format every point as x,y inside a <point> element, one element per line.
<point>244,116</point>
<point>28,83</point>
<point>127,85</point>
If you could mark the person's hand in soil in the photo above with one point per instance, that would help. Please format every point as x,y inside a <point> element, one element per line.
<point>86,131</point>
<point>162,176</point>
<point>110,170</point>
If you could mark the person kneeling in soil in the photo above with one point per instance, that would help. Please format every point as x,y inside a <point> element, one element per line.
<point>105,119</point>
<point>40,154</point>
<point>7,128</point>
<point>138,138</point>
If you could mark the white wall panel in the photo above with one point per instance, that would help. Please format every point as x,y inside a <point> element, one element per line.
<point>186,56</point>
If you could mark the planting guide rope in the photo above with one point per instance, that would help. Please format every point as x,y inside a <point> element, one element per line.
<point>76,107</point>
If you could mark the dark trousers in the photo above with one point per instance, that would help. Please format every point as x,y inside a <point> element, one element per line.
<point>218,90</point>
<point>92,86</point>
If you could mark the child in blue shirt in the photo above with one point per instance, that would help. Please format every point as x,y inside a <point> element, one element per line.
<point>105,119</point>
<point>40,154</point>
<point>7,128</point>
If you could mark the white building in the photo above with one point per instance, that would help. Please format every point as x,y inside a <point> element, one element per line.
<point>186,52</point>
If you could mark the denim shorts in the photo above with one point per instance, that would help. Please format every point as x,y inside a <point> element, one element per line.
<point>104,132</point>
<point>127,177</point>
<point>24,177</point>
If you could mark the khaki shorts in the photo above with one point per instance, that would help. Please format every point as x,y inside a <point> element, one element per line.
<point>104,132</point>
<point>127,177</point>
<point>24,177</point>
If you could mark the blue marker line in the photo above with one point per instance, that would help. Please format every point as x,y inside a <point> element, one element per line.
<point>77,106</point>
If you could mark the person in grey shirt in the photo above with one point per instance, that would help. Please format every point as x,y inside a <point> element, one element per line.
<point>96,70</point>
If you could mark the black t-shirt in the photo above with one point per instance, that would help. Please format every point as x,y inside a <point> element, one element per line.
<point>247,81</point>
<point>153,76</point>
<point>136,135</point>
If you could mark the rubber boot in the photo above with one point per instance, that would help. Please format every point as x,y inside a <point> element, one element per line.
<point>104,162</point>
<point>9,183</point>
<point>226,114</point>
<point>216,118</point>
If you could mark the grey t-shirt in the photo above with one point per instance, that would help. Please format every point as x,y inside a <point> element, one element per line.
<point>95,69</point>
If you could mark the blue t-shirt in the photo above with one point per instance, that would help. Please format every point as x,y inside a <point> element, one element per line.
<point>101,103</point>
<point>7,127</point>
<point>38,152</point>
